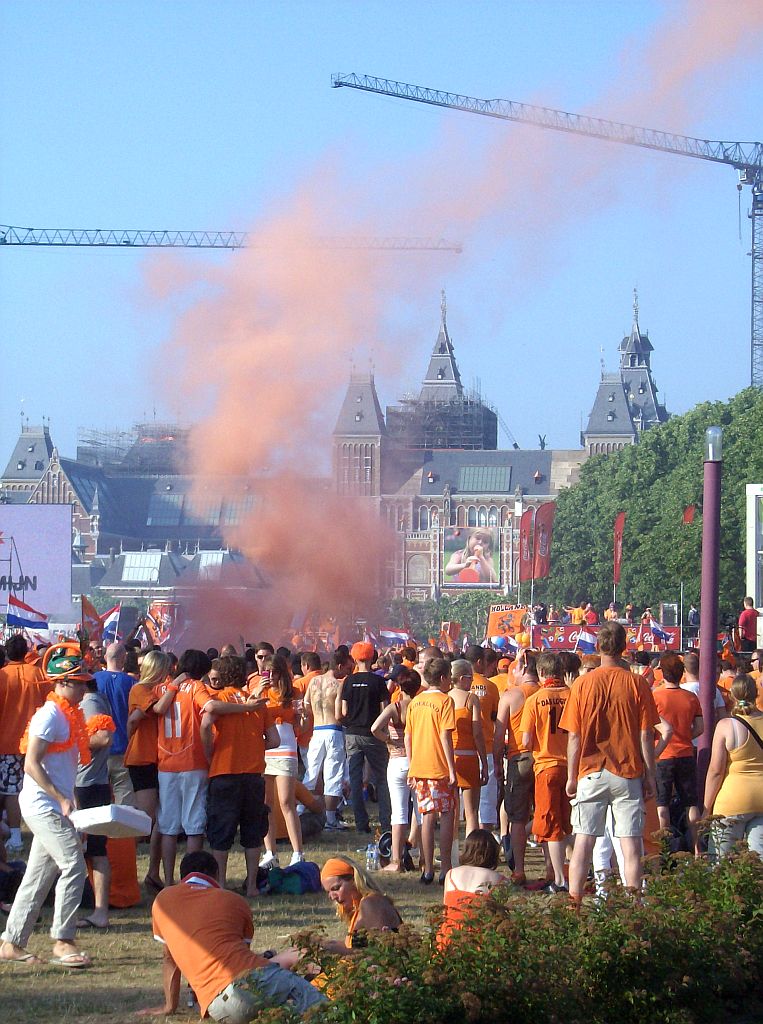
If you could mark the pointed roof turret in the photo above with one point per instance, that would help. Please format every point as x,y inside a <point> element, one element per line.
<point>360,415</point>
<point>443,381</point>
<point>635,348</point>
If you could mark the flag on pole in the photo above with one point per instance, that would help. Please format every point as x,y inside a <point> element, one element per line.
<point>24,616</point>
<point>544,528</point>
<point>395,635</point>
<point>586,642</point>
<point>618,545</point>
<point>110,623</point>
<point>526,545</point>
<point>91,620</point>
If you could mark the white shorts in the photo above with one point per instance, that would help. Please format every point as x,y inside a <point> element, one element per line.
<point>489,796</point>
<point>598,792</point>
<point>182,803</point>
<point>400,794</point>
<point>325,751</point>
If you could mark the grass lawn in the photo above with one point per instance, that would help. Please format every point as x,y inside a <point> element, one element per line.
<point>126,975</point>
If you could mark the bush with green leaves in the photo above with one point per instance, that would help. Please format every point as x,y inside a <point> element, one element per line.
<point>687,952</point>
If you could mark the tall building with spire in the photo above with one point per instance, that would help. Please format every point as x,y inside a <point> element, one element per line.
<point>626,402</point>
<point>433,470</point>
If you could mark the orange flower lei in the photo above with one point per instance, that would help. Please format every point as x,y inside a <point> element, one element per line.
<point>98,723</point>
<point>77,731</point>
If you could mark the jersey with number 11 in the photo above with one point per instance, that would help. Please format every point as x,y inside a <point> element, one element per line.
<point>180,747</point>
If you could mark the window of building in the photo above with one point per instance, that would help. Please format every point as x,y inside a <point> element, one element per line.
<point>482,516</point>
<point>164,509</point>
<point>460,516</point>
<point>21,464</point>
<point>141,566</point>
<point>236,509</point>
<point>423,518</point>
<point>39,465</point>
<point>471,517</point>
<point>202,512</point>
<point>210,565</point>
<point>492,516</point>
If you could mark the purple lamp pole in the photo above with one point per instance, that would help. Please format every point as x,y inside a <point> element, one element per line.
<point>708,621</point>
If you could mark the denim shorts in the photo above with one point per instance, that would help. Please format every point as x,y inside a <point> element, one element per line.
<point>261,989</point>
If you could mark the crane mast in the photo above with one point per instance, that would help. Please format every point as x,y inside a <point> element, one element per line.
<point>745,157</point>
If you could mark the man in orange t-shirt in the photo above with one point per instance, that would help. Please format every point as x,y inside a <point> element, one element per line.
<point>488,694</point>
<point>610,718</point>
<point>234,735</point>
<point>541,735</point>
<point>429,726</point>
<point>677,764</point>
<point>182,760</point>
<point>23,689</point>
<point>206,932</point>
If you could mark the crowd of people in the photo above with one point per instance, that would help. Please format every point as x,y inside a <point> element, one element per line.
<point>585,756</point>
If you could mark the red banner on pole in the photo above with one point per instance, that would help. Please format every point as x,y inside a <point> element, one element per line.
<point>526,545</point>
<point>689,514</point>
<point>544,528</point>
<point>619,526</point>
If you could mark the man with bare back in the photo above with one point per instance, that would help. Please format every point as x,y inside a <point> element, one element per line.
<point>325,751</point>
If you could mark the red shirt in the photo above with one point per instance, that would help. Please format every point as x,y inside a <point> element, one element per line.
<point>748,625</point>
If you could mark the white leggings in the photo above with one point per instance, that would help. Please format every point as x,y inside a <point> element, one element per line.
<point>399,793</point>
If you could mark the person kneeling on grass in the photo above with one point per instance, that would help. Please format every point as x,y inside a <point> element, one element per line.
<point>206,931</point>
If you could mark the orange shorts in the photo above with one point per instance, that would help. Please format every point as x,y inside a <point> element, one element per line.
<point>552,805</point>
<point>435,796</point>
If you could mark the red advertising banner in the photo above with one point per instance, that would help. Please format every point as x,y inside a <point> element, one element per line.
<point>544,529</point>
<point>618,544</point>
<point>565,638</point>
<point>526,545</point>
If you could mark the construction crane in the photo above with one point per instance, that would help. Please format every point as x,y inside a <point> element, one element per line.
<point>745,157</point>
<point>10,235</point>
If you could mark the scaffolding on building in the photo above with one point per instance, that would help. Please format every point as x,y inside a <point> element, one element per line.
<point>467,423</point>
<point>153,448</point>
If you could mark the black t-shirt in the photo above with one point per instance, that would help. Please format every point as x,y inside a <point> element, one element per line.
<point>365,693</point>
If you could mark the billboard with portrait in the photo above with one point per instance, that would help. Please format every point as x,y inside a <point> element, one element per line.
<point>36,556</point>
<point>471,557</point>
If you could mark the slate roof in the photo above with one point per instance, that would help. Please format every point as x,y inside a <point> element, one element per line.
<point>442,382</point>
<point>361,414</point>
<point>32,449</point>
<point>458,468</point>
<point>610,414</point>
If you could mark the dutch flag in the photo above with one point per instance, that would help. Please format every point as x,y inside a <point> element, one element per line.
<point>658,633</point>
<point>395,635</point>
<point>24,616</point>
<point>586,642</point>
<point>110,622</point>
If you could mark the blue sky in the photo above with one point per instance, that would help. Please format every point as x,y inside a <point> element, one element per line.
<point>198,115</point>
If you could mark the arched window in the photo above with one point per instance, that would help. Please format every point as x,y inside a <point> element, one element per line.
<point>461,516</point>
<point>423,518</point>
<point>482,516</point>
<point>471,516</point>
<point>492,516</point>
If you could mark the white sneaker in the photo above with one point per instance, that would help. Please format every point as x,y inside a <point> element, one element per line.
<point>269,860</point>
<point>296,858</point>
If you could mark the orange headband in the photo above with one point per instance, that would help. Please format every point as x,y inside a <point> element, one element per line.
<point>336,868</point>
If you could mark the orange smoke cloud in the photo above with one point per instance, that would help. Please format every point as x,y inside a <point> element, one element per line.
<point>262,354</point>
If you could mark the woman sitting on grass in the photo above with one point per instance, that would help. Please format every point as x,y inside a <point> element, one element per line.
<point>359,902</point>
<point>470,882</point>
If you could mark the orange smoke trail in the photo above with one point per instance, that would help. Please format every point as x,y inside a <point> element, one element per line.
<point>264,352</point>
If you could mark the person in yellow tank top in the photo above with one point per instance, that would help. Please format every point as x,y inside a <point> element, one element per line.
<point>469,742</point>
<point>734,784</point>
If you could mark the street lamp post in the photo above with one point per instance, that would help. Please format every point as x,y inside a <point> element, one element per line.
<point>708,622</point>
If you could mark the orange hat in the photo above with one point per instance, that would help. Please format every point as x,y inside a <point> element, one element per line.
<point>503,664</point>
<point>362,651</point>
<point>336,868</point>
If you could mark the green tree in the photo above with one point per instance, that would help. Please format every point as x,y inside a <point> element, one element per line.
<point>469,607</point>
<point>653,482</point>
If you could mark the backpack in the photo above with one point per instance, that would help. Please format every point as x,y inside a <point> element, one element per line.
<point>295,880</point>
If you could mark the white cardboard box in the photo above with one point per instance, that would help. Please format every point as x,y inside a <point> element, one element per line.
<point>113,820</point>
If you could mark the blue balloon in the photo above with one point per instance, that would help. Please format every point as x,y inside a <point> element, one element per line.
<point>499,642</point>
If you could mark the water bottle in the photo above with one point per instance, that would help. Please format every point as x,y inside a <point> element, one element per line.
<point>372,857</point>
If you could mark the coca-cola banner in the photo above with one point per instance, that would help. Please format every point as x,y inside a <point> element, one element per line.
<point>565,638</point>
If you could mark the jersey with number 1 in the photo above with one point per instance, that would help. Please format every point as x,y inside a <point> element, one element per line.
<point>180,747</point>
<point>540,715</point>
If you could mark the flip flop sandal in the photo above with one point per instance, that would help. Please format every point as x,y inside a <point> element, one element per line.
<point>27,958</point>
<point>87,922</point>
<point>75,961</point>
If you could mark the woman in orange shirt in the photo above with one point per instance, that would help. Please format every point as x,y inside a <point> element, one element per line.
<point>141,757</point>
<point>471,882</point>
<point>284,711</point>
<point>468,742</point>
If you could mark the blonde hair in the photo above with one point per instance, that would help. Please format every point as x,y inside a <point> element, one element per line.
<point>744,691</point>
<point>155,668</point>
<point>362,881</point>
